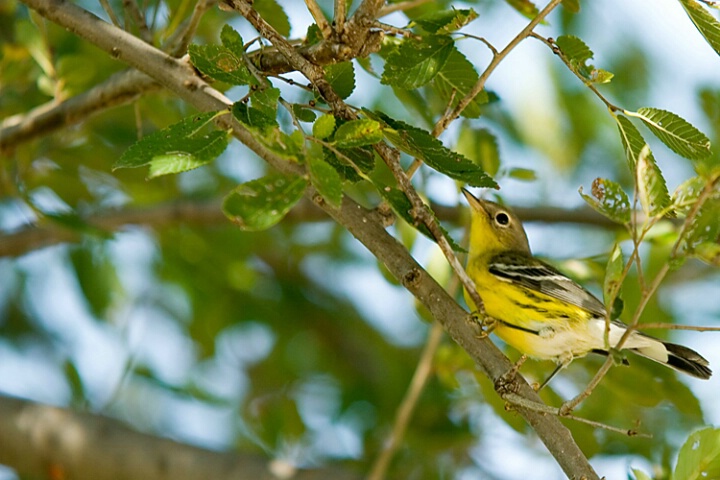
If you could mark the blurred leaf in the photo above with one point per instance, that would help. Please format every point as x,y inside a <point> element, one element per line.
<point>358,133</point>
<point>640,475</point>
<point>303,114</point>
<point>421,144</point>
<point>572,6</point>
<point>699,456</point>
<point>446,21</point>
<point>326,179</point>
<point>274,14</point>
<point>704,229</point>
<point>577,53</point>
<point>260,204</point>
<point>480,146</point>
<point>456,79</point>
<point>675,132</point>
<point>341,77</point>
<point>609,199</point>
<point>525,7</point>
<point>651,186</point>
<point>220,63</point>
<point>687,194</point>
<point>74,380</point>
<point>416,62</point>
<point>708,252</point>
<point>96,276</point>
<point>324,126</point>
<point>613,274</point>
<point>524,174</point>
<point>183,146</point>
<point>707,25</point>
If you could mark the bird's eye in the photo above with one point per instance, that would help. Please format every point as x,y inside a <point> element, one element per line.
<point>502,218</point>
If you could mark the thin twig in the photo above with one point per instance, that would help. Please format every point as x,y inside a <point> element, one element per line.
<point>673,326</point>
<point>111,13</point>
<point>401,6</point>
<point>340,16</point>
<point>131,7</point>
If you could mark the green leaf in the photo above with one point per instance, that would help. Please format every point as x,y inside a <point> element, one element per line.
<point>687,194</point>
<point>303,114</point>
<point>260,204</point>
<point>446,21</point>
<point>572,6</point>
<point>609,199</point>
<point>420,144</point>
<point>341,77</point>
<point>252,117</point>
<point>266,100</point>
<point>633,142</point>
<point>77,386</point>
<point>675,132</point>
<point>707,25</point>
<point>274,14</point>
<point>651,186</point>
<point>480,146</point>
<point>416,62</point>
<point>525,7</point>
<point>456,79</point>
<point>324,127</point>
<point>232,40</point>
<point>640,475</point>
<point>326,180</point>
<point>177,148</point>
<point>402,206</point>
<point>708,252</point>
<point>578,53</point>
<point>704,227</point>
<point>350,161</point>
<point>613,274</point>
<point>357,133</point>
<point>699,457</point>
<point>220,63</point>
<point>524,174</point>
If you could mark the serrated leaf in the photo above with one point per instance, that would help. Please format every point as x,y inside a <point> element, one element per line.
<point>416,62</point>
<point>232,40</point>
<point>303,114</point>
<point>177,148</point>
<point>324,126</point>
<point>266,100</point>
<point>341,77</point>
<point>220,63</point>
<point>313,35</point>
<point>651,186</point>
<point>420,144</point>
<point>525,7</point>
<point>480,146</point>
<point>350,161</point>
<point>707,25</point>
<point>274,14</point>
<point>578,53</point>
<point>402,206</point>
<point>633,142</point>
<point>613,274</point>
<point>687,194</point>
<point>675,132</point>
<point>357,133</point>
<point>609,199</point>
<point>446,21</point>
<point>456,79</point>
<point>252,117</point>
<point>326,180</point>
<point>699,456</point>
<point>260,204</point>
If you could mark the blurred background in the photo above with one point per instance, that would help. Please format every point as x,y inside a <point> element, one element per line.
<point>293,342</point>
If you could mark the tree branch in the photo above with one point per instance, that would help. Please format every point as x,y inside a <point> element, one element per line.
<point>365,225</point>
<point>39,439</point>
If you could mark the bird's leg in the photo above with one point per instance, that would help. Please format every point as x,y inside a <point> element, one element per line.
<point>562,362</point>
<point>485,323</point>
<point>504,382</point>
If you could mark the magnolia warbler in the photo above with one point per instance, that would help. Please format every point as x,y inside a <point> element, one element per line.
<point>543,313</point>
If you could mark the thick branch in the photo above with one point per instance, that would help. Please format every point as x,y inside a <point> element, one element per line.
<point>39,439</point>
<point>365,225</point>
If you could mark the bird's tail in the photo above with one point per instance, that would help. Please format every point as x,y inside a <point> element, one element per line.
<point>675,356</point>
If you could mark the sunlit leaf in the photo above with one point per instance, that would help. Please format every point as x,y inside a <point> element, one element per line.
<point>220,63</point>
<point>675,132</point>
<point>456,79</point>
<point>708,25</point>
<point>351,163</point>
<point>417,62</point>
<point>260,204</point>
<point>609,199</point>
<point>687,194</point>
<point>640,475</point>
<point>633,142</point>
<point>578,53</point>
<point>183,146</point>
<point>526,7</point>
<point>253,117</point>
<point>326,179</point>
<point>446,21</point>
<point>480,146</point>
<point>699,456</point>
<point>324,126</point>
<point>613,274</point>
<point>419,143</point>
<point>572,6</point>
<point>357,133</point>
<point>341,77</point>
<point>524,174</point>
<point>651,186</point>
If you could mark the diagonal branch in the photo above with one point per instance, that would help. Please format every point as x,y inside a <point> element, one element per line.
<point>364,224</point>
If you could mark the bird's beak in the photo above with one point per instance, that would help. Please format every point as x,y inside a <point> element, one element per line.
<point>475,204</point>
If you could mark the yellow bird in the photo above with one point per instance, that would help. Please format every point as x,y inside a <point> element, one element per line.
<point>541,312</point>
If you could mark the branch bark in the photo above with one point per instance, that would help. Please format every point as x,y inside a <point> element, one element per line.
<point>365,225</point>
<point>50,442</point>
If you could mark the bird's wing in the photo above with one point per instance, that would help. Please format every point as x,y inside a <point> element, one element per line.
<point>524,270</point>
